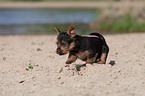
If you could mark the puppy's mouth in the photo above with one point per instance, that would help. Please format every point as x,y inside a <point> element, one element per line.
<point>61,53</point>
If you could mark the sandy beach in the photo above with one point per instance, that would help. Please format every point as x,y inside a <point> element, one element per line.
<point>29,66</point>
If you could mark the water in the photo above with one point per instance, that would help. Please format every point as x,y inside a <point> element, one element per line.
<point>45,16</point>
<point>17,21</point>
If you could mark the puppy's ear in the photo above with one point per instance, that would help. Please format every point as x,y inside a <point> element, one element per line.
<point>71,31</point>
<point>58,31</point>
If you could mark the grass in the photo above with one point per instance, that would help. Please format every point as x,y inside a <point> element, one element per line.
<point>128,23</point>
<point>30,67</point>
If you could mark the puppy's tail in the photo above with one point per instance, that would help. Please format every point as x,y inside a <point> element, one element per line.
<point>100,36</point>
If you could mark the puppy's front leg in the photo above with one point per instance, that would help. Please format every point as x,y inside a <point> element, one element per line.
<point>72,58</point>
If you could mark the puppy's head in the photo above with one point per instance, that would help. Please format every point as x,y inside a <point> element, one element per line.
<point>65,40</point>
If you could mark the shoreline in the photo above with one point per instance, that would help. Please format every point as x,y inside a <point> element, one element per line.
<point>95,4</point>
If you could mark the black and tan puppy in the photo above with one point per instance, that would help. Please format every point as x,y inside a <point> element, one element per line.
<point>91,48</point>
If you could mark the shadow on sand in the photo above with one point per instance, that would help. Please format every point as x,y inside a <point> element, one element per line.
<point>112,62</point>
<point>78,66</point>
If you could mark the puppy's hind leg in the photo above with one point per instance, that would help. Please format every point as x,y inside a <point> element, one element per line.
<point>105,50</point>
<point>91,59</point>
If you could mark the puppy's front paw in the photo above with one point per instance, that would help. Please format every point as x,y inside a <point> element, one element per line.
<point>68,62</point>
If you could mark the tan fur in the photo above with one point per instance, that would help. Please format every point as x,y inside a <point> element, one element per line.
<point>91,60</point>
<point>62,41</point>
<point>71,31</point>
<point>71,59</point>
<point>100,62</point>
<point>83,55</point>
<point>103,58</point>
<point>71,46</point>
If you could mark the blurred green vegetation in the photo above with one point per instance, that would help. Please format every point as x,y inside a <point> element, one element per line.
<point>71,0</point>
<point>128,23</point>
<point>43,28</point>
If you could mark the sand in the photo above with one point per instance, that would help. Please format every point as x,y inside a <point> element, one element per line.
<point>79,4</point>
<point>50,77</point>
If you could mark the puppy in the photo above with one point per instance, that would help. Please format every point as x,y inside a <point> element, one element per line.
<point>91,48</point>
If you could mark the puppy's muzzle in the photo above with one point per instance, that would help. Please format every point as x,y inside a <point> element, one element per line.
<point>58,51</point>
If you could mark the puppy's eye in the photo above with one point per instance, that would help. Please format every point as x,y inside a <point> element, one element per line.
<point>63,44</point>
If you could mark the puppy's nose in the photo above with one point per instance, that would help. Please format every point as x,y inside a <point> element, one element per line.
<point>58,50</point>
